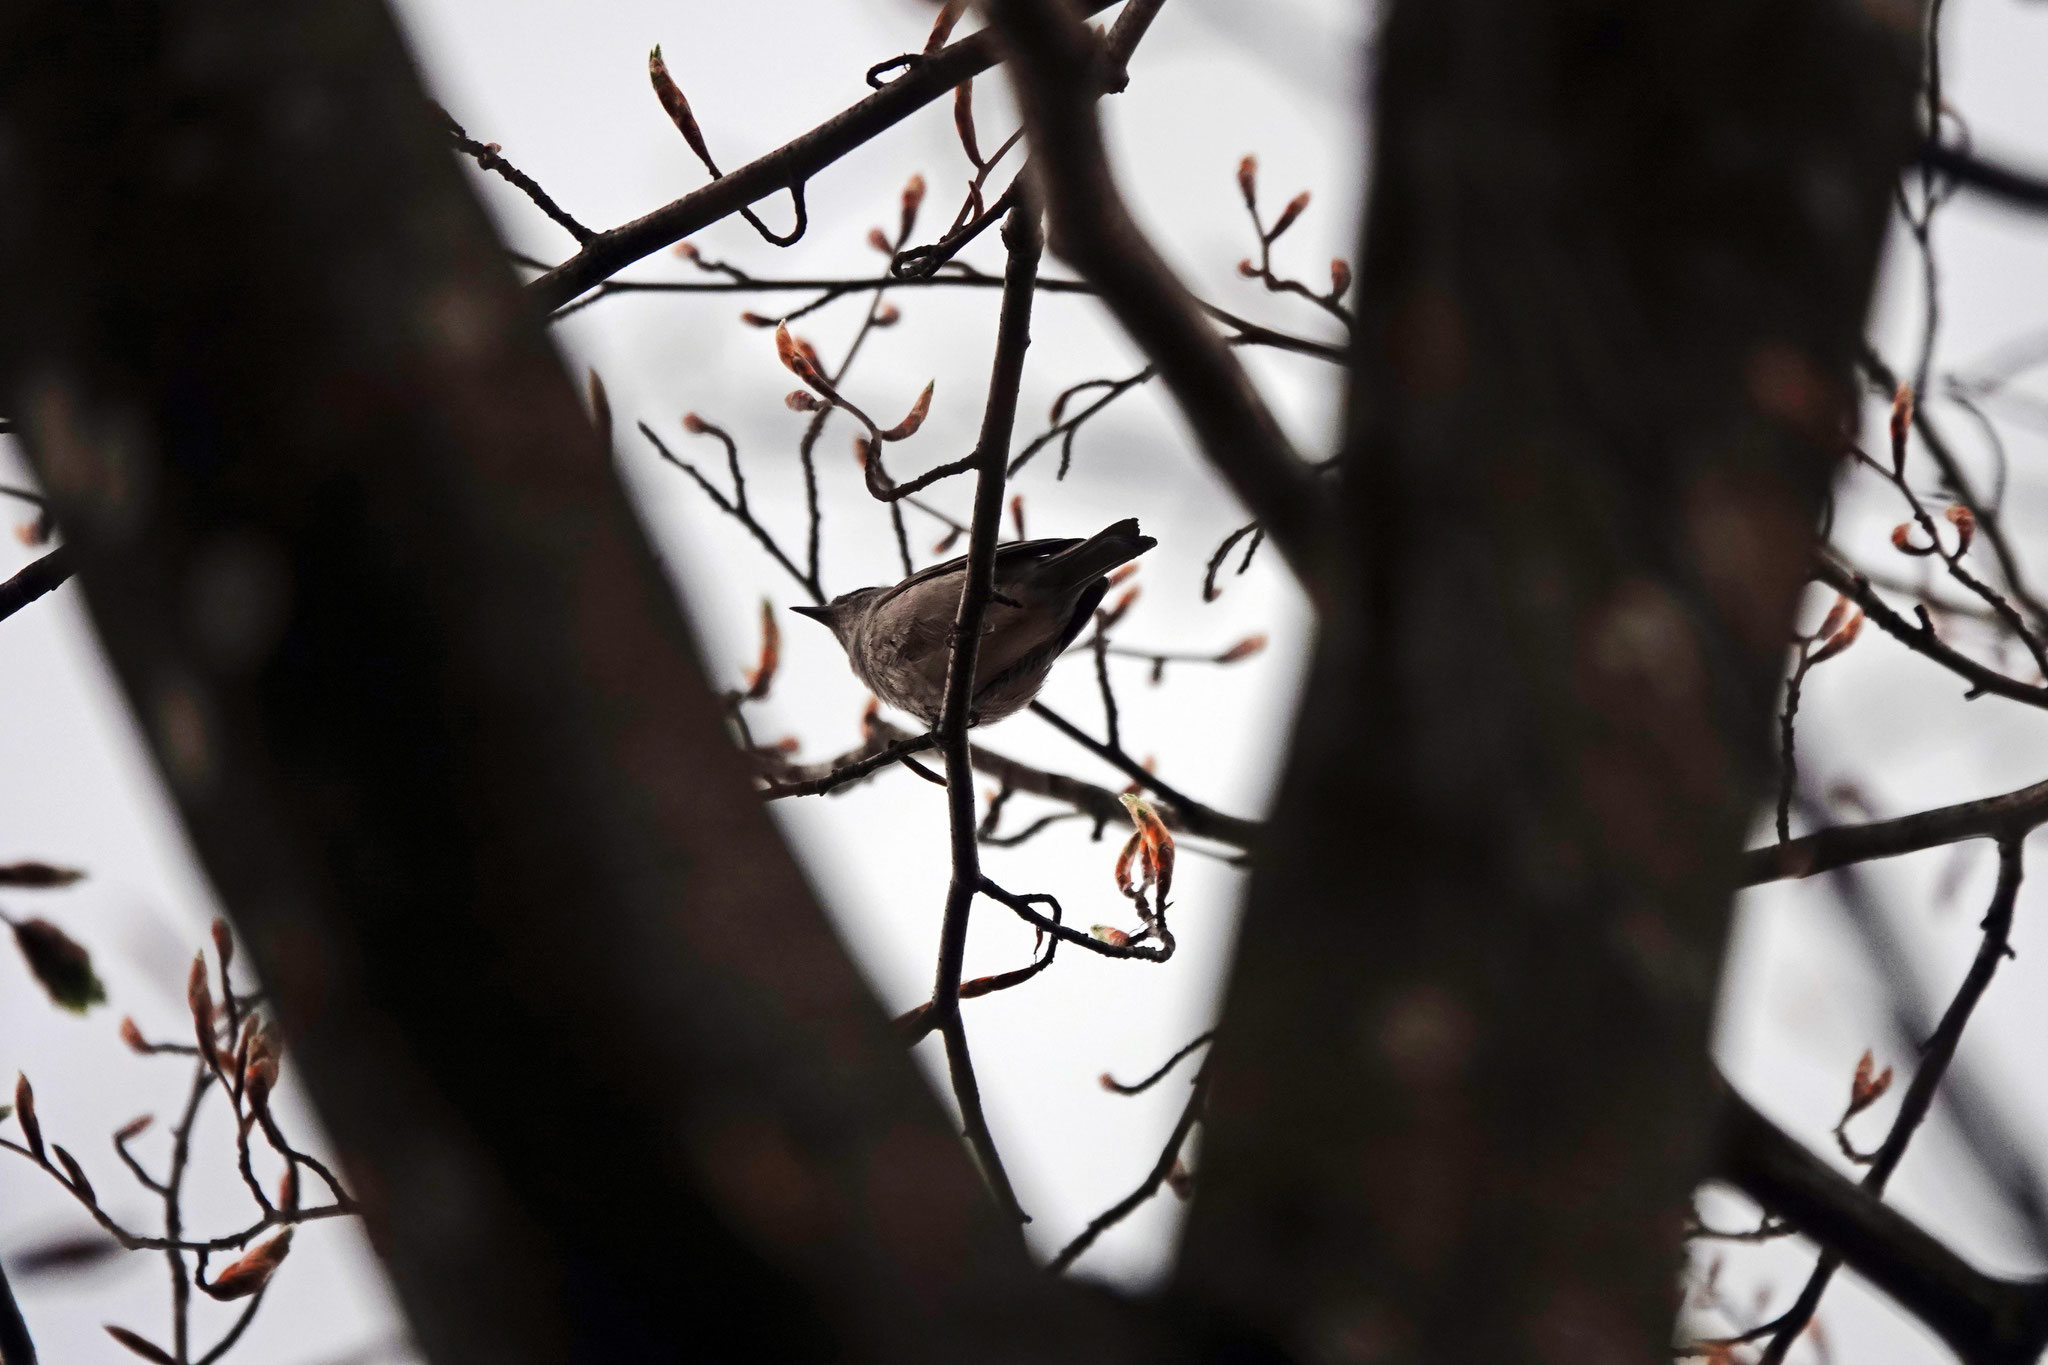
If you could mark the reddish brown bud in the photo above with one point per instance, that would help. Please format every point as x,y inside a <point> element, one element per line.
<point>249,1274</point>
<point>200,997</point>
<point>913,419</point>
<point>693,424</point>
<point>803,400</point>
<point>942,27</point>
<point>1965,522</point>
<point>79,1184</point>
<point>132,1036</point>
<point>1294,209</point>
<point>1247,269</point>
<point>1902,423</point>
<point>686,250</point>
<point>1340,277</point>
<point>963,122</point>
<point>1116,612</point>
<point>762,676</point>
<point>1868,1085</point>
<point>947,541</point>
<point>879,240</point>
<point>753,319</point>
<point>1243,649</point>
<point>134,1127</point>
<point>25,1115</point>
<point>1017,513</point>
<point>888,315</point>
<point>288,1189</point>
<point>1248,181</point>
<point>1833,620</point>
<point>140,1345</point>
<point>1838,641</point>
<point>223,937</point>
<point>1902,541</point>
<point>37,876</point>
<point>913,197</point>
<point>1156,843</point>
<point>1110,934</point>
<point>678,108</point>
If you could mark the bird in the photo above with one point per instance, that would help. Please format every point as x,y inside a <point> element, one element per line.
<point>898,639</point>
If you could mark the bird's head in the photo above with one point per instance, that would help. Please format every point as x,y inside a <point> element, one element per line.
<point>840,614</point>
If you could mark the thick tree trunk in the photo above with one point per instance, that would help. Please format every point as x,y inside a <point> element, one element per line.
<point>1616,265</point>
<point>592,1058</point>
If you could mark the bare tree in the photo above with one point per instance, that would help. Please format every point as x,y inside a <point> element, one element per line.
<point>418,685</point>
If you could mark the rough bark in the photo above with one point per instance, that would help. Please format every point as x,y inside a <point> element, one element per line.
<point>590,1054</point>
<point>1616,263</point>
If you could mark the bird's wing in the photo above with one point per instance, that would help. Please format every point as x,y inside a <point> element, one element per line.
<point>1006,556</point>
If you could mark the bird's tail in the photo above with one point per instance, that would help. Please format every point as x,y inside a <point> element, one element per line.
<point>1091,558</point>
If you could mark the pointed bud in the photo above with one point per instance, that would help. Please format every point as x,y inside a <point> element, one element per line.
<point>678,108</point>
<point>1243,649</point>
<point>79,1184</point>
<point>134,1127</point>
<point>25,1115</point>
<point>1247,269</point>
<point>1838,642</point>
<point>762,676</point>
<point>913,197</point>
<point>61,965</point>
<point>693,424</point>
<point>253,1271</point>
<point>913,419</point>
<point>1017,513</point>
<point>200,998</point>
<point>223,938</point>
<point>686,250</point>
<point>879,240</point>
<point>753,319</point>
<point>1248,181</point>
<point>132,1036</point>
<point>140,1345</point>
<point>1340,277</point>
<point>803,400</point>
<point>37,876</point>
<point>1902,423</point>
<point>1965,522</point>
<point>1294,209</point>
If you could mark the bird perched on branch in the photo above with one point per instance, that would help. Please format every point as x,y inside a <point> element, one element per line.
<point>899,639</point>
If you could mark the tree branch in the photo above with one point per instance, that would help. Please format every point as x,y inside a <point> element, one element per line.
<point>2006,816</point>
<point>784,168</point>
<point>1986,1321</point>
<point>35,579</point>
<point>1054,61</point>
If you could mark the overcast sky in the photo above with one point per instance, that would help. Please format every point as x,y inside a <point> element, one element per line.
<point>563,89</point>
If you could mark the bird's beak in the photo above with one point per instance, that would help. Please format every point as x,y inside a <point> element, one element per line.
<point>815,613</point>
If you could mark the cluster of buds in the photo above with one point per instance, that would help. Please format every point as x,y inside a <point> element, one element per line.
<point>801,360</point>
<point>1838,630</point>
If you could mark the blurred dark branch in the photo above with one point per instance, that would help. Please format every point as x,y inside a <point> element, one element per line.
<point>17,1347</point>
<point>476,702</point>
<point>1054,62</point>
<point>787,166</point>
<point>1985,1320</point>
<point>36,579</point>
<point>2008,816</point>
<point>1935,1055</point>
<point>2018,188</point>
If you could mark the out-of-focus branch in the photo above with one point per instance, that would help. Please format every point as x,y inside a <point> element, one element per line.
<point>784,168</point>
<point>1054,61</point>
<point>405,726</point>
<point>1935,1056</point>
<point>2001,182</point>
<point>17,1347</point>
<point>1985,1320</point>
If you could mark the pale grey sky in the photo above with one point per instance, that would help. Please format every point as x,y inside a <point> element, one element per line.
<point>563,89</point>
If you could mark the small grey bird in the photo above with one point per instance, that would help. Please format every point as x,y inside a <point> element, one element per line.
<point>898,639</point>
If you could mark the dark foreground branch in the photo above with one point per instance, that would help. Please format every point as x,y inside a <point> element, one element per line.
<point>36,579</point>
<point>1985,1320</point>
<point>1054,60</point>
